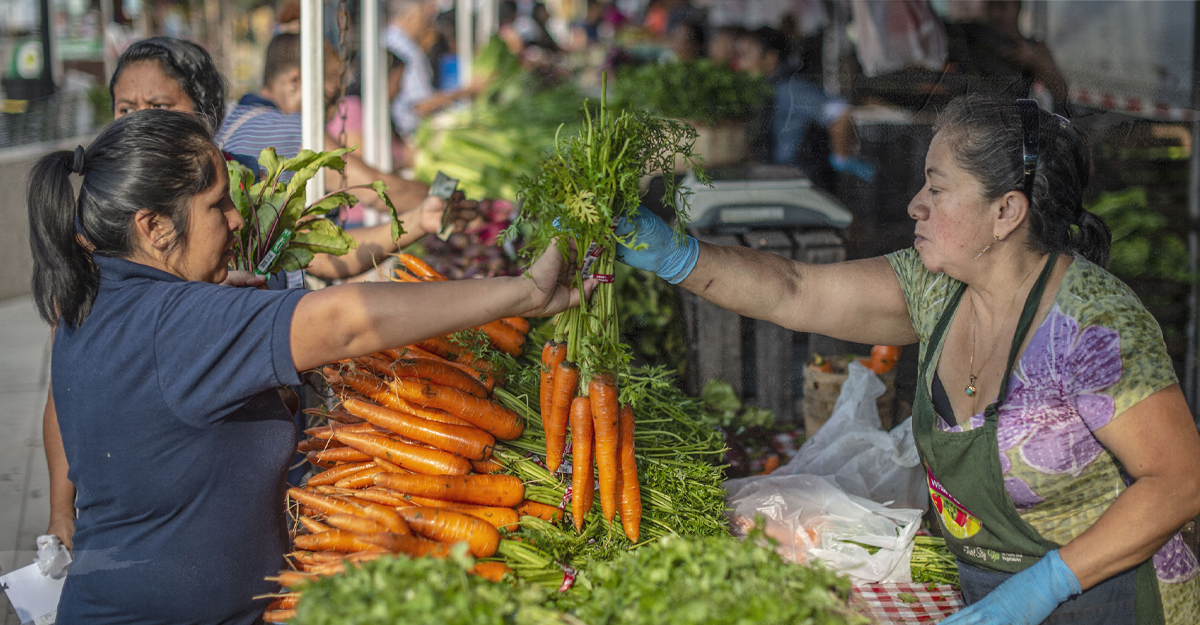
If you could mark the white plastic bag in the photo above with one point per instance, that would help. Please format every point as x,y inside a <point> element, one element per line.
<point>52,556</point>
<point>813,519</point>
<point>855,454</point>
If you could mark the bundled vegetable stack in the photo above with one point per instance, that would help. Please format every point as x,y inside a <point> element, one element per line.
<point>433,444</point>
<point>281,233</point>
<point>591,181</point>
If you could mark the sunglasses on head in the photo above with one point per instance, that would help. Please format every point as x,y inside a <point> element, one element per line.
<point>1031,132</point>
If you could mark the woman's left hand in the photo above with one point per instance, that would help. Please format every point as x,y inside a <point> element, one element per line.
<point>1026,598</point>
<point>243,278</point>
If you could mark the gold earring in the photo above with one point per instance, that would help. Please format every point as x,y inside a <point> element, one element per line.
<point>988,246</point>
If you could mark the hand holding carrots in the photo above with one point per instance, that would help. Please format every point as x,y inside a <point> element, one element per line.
<point>547,287</point>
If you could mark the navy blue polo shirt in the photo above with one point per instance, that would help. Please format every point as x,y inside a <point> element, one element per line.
<point>178,445</point>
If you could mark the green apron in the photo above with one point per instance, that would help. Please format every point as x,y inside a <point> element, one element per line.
<point>979,521</point>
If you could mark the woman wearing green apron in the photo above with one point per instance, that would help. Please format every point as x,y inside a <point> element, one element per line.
<point>1061,456</point>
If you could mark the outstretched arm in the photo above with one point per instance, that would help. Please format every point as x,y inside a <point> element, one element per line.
<point>355,319</point>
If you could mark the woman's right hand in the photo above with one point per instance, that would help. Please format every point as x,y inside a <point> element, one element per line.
<point>64,529</point>
<point>548,282</point>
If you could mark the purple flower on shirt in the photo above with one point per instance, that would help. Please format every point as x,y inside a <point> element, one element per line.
<point>1053,406</point>
<point>1175,563</point>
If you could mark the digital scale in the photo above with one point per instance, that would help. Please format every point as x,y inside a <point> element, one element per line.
<point>747,197</point>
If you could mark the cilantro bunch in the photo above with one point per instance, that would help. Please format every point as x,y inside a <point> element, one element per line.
<point>714,581</point>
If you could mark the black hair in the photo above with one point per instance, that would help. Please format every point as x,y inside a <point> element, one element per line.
<point>188,64</point>
<point>987,143</point>
<point>771,40</point>
<point>283,54</point>
<point>154,159</point>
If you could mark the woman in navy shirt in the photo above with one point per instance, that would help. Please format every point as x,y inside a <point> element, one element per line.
<point>164,380</point>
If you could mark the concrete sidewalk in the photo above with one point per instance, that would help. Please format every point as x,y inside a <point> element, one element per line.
<point>24,481</point>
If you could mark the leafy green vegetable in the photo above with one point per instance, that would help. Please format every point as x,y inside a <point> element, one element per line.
<point>593,178</point>
<point>698,90</point>
<point>419,591</point>
<point>681,581</point>
<point>932,562</point>
<point>272,206</point>
<point>723,409</point>
<point>907,597</point>
<point>1142,246</point>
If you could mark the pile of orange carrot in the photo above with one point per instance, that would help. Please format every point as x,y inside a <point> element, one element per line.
<point>406,465</point>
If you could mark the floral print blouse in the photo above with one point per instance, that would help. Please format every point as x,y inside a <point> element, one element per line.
<point>1097,353</point>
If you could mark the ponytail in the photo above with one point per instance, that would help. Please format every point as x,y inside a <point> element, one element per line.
<point>64,279</point>
<point>1092,239</point>
<point>155,160</point>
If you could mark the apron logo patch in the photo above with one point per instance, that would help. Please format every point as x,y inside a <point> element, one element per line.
<point>957,519</point>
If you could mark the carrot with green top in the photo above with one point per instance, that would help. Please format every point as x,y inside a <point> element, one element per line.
<point>448,526</point>
<point>418,267</point>
<point>469,442</point>
<point>411,457</point>
<point>583,473</point>
<point>484,490</point>
<point>602,391</point>
<point>334,540</point>
<point>539,510</point>
<point>360,478</point>
<point>354,524</point>
<point>566,381</point>
<point>630,501</point>
<point>492,417</point>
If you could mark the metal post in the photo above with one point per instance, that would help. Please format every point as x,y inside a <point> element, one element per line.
<point>1190,369</point>
<point>486,24</point>
<point>312,85</point>
<point>464,36</point>
<point>106,22</point>
<point>377,130</point>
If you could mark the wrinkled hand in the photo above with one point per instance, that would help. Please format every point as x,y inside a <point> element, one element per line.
<point>548,282</point>
<point>64,529</point>
<point>655,247</point>
<point>462,211</point>
<point>1027,598</point>
<point>241,278</point>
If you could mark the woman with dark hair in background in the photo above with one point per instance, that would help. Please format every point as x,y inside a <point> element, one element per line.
<point>1060,453</point>
<point>164,380</point>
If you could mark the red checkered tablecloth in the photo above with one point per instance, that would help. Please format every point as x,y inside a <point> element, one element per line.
<point>907,603</point>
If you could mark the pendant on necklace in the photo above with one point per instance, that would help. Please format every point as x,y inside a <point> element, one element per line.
<point>971,387</point>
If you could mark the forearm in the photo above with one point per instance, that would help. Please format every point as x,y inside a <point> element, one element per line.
<point>356,319</point>
<point>1136,526</point>
<point>62,491</point>
<point>438,101</point>
<point>374,245</point>
<point>859,301</point>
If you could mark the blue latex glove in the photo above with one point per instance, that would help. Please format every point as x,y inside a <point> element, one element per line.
<point>669,258</point>
<point>1027,598</point>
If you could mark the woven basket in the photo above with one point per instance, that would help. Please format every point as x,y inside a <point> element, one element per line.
<point>821,391</point>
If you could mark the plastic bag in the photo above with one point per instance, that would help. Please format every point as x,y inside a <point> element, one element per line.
<point>52,556</point>
<point>812,519</point>
<point>853,452</point>
<point>895,34</point>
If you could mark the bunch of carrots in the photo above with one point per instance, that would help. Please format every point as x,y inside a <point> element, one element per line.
<point>602,439</point>
<point>578,197</point>
<point>407,464</point>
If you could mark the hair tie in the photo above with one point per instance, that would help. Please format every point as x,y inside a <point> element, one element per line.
<point>77,166</point>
